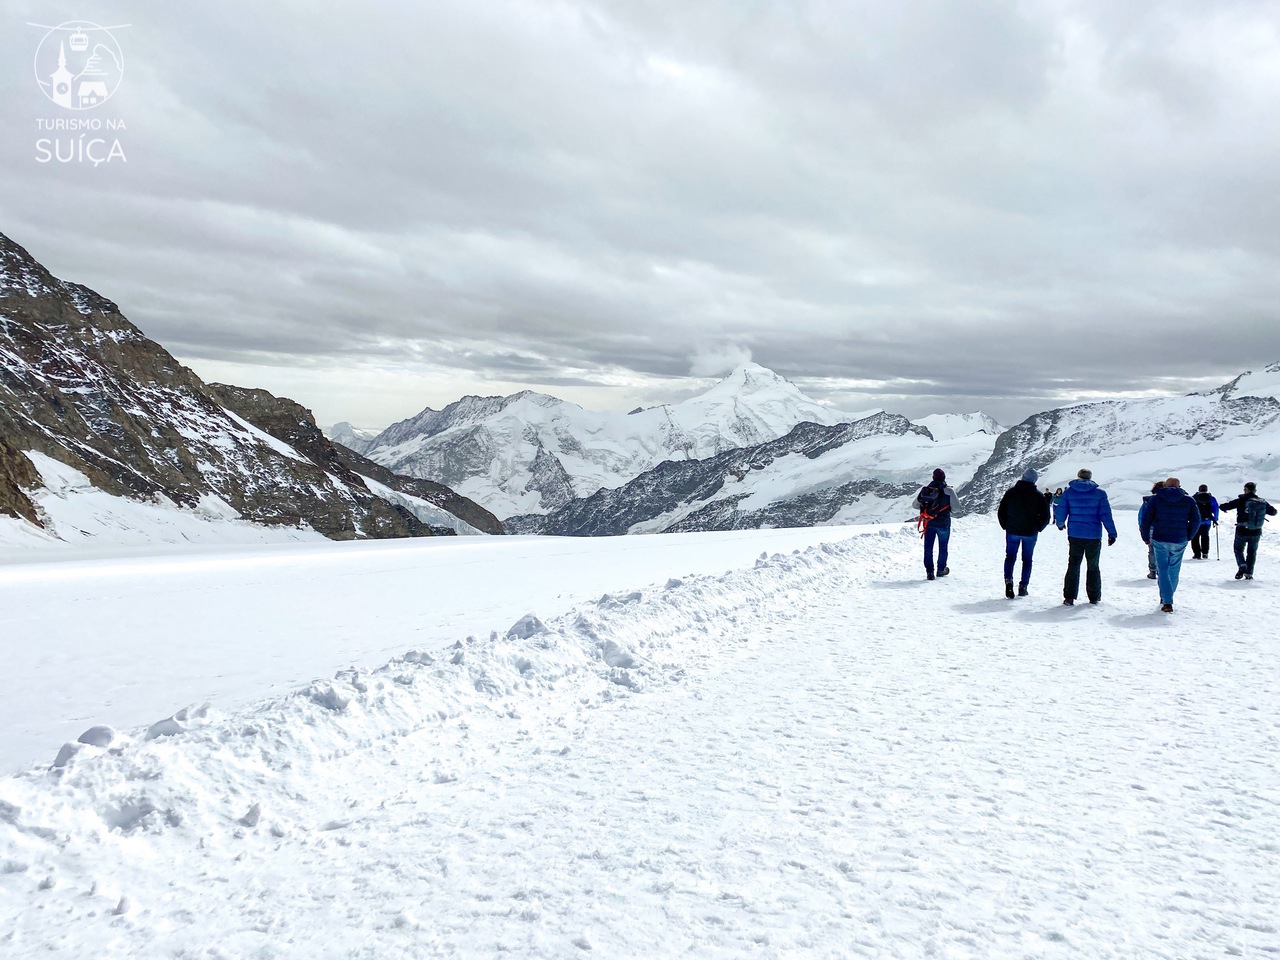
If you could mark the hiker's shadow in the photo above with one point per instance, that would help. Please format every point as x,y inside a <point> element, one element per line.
<point>1144,582</point>
<point>1139,621</point>
<point>899,584</point>
<point>984,606</point>
<point>1054,614</point>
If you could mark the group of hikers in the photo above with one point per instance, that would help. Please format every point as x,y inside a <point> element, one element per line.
<point>1169,519</point>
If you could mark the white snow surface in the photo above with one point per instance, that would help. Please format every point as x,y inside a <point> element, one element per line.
<point>819,756</point>
<point>127,638</point>
<point>597,449</point>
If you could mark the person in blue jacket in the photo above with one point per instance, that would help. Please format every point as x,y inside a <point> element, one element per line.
<point>1083,511</point>
<point>1208,505</point>
<point>1142,516</point>
<point>1168,524</point>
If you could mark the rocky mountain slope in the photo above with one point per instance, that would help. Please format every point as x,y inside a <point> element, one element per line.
<point>1221,438</point>
<point>83,387</point>
<point>866,470</point>
<point>530,453</point>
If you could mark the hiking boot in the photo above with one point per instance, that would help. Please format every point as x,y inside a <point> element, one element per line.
<point>944,571</point>
<point>1248,576</point>
<point>1151,575</point>
<point>1095,602</point>
<point>1166,608</point>
<point>1008,589</point>
<point>1240,574</point>
<point>1068,603</point>
<point>929,575</point>
<point>1022,589</point>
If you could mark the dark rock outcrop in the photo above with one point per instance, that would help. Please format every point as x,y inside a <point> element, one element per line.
<point>17,476</point>
<point>80,384</point>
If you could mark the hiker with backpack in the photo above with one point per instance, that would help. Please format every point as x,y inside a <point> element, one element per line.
<point>1170,521</point>
<point>1208,505</point>
<point>1023,513</point>
<point>1142,516</point>
<point>936,503</point>
<point>1083,510</point>
<point>1251,513</point>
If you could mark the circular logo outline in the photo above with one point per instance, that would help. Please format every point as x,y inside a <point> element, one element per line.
<point>77,29</point>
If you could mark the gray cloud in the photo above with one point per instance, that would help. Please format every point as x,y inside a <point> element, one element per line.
<point>930,205</point>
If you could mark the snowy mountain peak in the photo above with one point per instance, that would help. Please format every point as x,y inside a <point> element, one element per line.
<point>953,426</point>
<point>1263,383</point>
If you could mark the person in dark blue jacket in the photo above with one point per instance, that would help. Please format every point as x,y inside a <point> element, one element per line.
<point>1208,505</point>
<point>1083,511</point>
<point>1171,520</point>
<point>1251,513</point>
<point>1142,515</point>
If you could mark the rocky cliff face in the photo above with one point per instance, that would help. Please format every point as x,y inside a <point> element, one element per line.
<point>17,476</point>
<point>805,478</point>
<point>83,386</point>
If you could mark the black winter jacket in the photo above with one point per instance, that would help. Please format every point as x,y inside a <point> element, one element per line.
<point>1238,506</point>
<point>1024,511</point>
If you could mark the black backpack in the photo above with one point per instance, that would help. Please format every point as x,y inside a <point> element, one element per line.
<point>1205,502</point>
<point>932,501</point>
<point>1255,513</point>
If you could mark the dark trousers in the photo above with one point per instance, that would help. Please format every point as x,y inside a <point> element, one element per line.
<point>1089,551</point>
<point>1012,544</point>
<point>1200,542</point>
<point>941,535</point>
<point>1151,557</point>
<point>1246,546</point>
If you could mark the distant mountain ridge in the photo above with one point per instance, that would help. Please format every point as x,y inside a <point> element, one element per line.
<point>532,453</point>
<point>83,387</point>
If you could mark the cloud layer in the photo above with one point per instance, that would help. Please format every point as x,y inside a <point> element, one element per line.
<point>930,205</point>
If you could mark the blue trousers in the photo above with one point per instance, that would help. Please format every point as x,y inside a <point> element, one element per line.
<point>1168,566</point>
<point>941,535</point>
<point>1012,544</point>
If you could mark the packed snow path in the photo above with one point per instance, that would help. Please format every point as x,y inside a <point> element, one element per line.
<point>825,756</point>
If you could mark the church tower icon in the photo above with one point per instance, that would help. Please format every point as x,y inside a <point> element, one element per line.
<point>60,80</point>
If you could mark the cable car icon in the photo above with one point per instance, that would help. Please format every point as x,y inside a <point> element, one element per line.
<point>79,41</point>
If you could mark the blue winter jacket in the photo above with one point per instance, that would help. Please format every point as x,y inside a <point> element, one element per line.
<point>1171,517</point>
<point>1084,510</point>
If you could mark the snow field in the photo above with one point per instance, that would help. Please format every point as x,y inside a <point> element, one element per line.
<point>126,640</point>
<point>822,756</point>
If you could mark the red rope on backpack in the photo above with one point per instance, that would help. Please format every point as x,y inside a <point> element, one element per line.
<point>922,521</point>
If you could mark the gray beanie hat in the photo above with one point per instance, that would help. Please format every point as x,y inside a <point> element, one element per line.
<point>1031,476</point>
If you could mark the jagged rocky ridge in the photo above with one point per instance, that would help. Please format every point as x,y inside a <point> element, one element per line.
<point>713,493</point>
<point>82,385</point>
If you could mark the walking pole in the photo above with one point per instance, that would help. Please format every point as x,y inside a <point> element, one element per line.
<point>1217,541</point>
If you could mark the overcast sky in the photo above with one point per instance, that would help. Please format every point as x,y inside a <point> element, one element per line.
<point>928,206</point>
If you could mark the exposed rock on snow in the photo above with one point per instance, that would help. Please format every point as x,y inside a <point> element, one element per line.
<point>865,470</point>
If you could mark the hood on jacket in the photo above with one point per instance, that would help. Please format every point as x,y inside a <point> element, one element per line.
<point>1082,485</point>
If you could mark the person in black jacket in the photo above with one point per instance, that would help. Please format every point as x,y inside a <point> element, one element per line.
<point>1023,513</point>
<point>1142,513</point>
<point>1208,505</point>
<point>1249,521</point>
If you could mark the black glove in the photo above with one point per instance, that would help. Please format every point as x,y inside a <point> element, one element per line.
<point>1215,523</point>
<point>1111,541</point>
